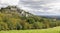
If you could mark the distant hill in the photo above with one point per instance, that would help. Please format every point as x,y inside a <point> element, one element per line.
<point>52,17</point>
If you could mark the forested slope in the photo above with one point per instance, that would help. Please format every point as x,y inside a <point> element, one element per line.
<point>13,18</point>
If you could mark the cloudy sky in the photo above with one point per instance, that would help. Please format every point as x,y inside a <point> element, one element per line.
<point>40,7</point>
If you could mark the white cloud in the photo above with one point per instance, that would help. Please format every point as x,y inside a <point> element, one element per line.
<point>9,2</point>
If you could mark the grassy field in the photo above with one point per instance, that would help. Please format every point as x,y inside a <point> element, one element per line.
<point>50,30</point>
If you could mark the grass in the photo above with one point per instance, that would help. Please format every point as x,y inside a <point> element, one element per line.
<point>50,30</point>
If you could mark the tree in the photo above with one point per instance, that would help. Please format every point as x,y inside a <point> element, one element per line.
<point>38,25</point>
<point>3,26</point>
<point>47,23</point>
<point>30,20</point>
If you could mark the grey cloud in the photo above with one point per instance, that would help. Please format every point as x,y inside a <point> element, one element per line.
<point>41,13</point>
<point>36,5</point>
<point>33,4</point>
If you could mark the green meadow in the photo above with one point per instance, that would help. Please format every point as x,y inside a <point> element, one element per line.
<point>50,30</point>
